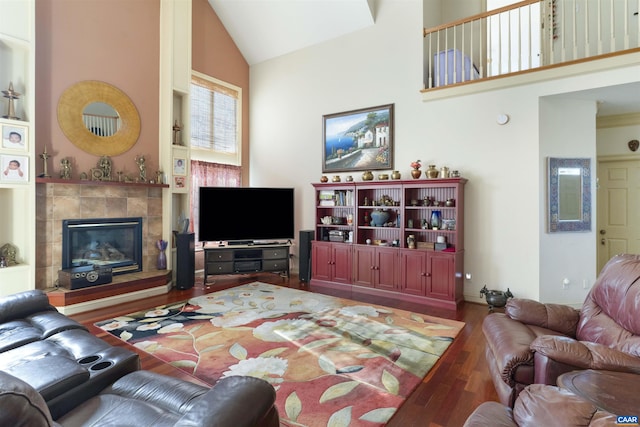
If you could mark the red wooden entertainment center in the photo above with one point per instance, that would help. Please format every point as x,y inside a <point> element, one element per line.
<point>354,254</point>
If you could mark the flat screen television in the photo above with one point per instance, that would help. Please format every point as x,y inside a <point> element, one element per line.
<point>245,215</point>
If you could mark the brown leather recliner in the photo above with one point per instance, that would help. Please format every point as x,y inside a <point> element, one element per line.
<point>541,405</point>
<point>533,342</point>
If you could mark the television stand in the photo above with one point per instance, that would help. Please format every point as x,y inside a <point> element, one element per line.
<point>245,259</point>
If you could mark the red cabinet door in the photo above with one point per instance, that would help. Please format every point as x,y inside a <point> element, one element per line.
<point>364,265</point>
<point>413,267</point>
<point>440,282</point>
<point>387,268</point>
<point>341,259</point>
<point>321,256</point>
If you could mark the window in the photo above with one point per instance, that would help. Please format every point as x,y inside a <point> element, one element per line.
<point>215,120</point>
<point>216,117</point>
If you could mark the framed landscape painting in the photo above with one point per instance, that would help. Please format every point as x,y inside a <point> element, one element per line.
<point>358,140</point>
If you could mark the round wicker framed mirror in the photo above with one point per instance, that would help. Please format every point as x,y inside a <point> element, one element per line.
<point>89,135</point>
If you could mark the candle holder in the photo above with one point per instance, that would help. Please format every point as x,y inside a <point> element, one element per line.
<point>11,95</point>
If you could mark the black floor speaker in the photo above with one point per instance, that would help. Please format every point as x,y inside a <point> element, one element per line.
<point>304,267</point>
<point>185,260</point>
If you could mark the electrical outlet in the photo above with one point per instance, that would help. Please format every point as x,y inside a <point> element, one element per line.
<point>585,284</point>
<point>565,283</point>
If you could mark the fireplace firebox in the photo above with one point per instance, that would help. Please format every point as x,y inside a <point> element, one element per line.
<point>111,242</point>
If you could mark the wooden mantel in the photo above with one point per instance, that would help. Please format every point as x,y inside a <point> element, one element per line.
<point>41,180</point>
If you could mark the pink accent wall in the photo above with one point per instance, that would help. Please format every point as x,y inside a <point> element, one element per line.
<point>114,41</point>
<point>214,53</point>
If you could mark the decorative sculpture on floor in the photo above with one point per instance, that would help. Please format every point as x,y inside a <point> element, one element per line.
<point>495,298</point>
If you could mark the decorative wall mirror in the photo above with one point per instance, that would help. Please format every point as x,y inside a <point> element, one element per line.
<point>569,194</point>
<point>98,118</point>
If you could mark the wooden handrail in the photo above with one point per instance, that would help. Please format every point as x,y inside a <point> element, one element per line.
<point>478,16</point>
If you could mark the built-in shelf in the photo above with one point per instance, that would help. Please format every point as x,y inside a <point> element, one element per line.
<point>90,182</point>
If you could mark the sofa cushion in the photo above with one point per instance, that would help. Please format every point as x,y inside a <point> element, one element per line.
<point>50,376</point>
<point>562,319</point>
<point>23,304</point>
<point>544,405</point>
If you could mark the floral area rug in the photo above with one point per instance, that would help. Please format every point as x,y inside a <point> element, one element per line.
<point>333,362</point>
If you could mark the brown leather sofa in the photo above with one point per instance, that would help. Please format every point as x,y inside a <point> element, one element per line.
<point>534,343</point>
<point>541,405</point>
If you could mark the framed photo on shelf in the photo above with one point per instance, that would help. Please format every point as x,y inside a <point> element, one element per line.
<point>14,136</point>
<point>179,181</point>
<point>14,168</point>
<point>358,140</point>
<point>179,166</point>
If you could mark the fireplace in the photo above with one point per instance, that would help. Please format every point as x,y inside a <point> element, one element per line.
<point>110,242</point>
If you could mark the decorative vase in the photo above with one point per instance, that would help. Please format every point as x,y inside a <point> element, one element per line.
<point>415,173</point>
<point>411,241</point>
<point>367,176</point>
<point>336,178</point>
<point>379,218</point>
<point>161,264</point>
<point>444,172</point>
<point>435,220</point>
<point>432,172</point>
<point>396,175</point>
<point>324,178</point>
<point>162,261</point>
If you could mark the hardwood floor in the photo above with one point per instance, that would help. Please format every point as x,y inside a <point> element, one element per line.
<point>458,383</point>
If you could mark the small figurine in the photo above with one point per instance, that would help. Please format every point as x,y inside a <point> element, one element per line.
<point>65,170</point>
<point>9,252</point>
<point>105,164</point>
<point>176,130</point>
<point>143,168</point>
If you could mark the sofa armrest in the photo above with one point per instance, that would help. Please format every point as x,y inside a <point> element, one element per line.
<point>234,402</point>
<point>491,414</point>
<point>585,355</point>
<point>556,317</point>
<point>21,404</point>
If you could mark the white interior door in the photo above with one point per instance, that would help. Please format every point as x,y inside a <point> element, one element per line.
<point>618,207</point>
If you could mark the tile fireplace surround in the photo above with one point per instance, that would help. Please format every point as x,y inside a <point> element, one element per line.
<point>56,201</point>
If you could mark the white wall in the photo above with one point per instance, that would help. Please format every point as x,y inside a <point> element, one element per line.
<point>567,130</point>
<point>612,141</point>
<point>504,164</point>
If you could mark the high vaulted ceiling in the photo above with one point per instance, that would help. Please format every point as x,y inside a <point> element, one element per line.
<point>265,29</point>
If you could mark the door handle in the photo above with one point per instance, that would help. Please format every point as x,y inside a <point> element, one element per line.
<point>602,242</point>
<point>603,232</point>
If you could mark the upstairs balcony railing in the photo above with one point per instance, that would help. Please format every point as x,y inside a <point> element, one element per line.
<point>531,34</point>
